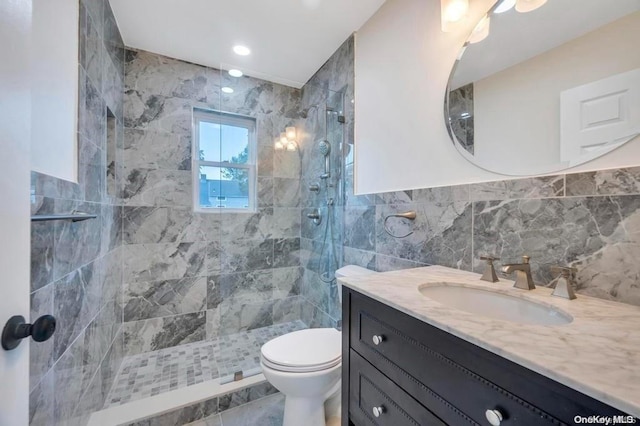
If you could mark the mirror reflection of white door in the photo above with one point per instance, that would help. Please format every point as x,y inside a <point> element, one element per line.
<point>15,113</point>
<point>599,116</point>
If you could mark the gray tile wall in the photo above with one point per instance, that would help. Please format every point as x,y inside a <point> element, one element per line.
<point>76,268</point>
<point>587,220</point>
<point>193,276</point>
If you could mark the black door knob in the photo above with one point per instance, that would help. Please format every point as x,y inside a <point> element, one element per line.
<point>17,329</point>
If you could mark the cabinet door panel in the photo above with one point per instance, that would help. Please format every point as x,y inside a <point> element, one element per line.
<point>373,393</point>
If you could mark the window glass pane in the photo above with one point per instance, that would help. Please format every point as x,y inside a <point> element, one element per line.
<point>209,141</point>
<point>223,143</point>
<point>235,144</point>
<point>224,187</point>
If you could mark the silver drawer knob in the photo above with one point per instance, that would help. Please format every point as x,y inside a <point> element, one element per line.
<point>378,411</point>
<point>494,417</point>
<point>377,339</point>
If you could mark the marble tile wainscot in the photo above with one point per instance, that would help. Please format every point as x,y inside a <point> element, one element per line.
<point>588,220</point>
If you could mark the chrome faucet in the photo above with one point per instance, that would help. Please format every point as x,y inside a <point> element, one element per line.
<point>565,282</point>
<point>524,280</point>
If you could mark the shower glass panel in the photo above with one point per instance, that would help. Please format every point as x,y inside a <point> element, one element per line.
<point>322,165</point>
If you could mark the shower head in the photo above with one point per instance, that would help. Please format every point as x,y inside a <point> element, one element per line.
<point>324,147</point>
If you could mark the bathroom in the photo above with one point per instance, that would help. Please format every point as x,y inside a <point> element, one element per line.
<point>209,202</point>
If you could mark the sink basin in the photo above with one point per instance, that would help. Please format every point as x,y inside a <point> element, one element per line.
<point>495,305</point>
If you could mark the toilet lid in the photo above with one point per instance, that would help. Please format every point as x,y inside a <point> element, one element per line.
<point>309,350</point>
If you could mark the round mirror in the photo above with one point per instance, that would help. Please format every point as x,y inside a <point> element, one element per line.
<point>545,85</point>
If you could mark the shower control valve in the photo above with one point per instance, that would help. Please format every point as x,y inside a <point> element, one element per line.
<point>315,216</point>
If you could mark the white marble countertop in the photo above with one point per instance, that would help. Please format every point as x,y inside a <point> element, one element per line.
<point>597,354</point>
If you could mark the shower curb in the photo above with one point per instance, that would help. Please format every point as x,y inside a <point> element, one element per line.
<point>186,405</point>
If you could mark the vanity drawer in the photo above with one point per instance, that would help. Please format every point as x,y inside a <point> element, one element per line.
<point>411,359</point>
<point>369,388</point>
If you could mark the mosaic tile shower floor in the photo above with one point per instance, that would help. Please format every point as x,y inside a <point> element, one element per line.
<point>152,373</point>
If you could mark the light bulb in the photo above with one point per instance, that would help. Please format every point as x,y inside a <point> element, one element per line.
<point>481,31</point>
<point>525,6</point>
<point>277,145</point>
<point>291,133</point>
<point>452,11</point>
<point>291,146</point>
<point>504,6</point>
<point>283,139</point>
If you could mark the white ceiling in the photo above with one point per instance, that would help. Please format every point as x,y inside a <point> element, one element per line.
<point>289,39</point>
<point>515,37</point>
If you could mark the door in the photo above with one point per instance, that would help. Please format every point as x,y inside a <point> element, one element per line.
<point>600,115</point>
<point>15,112</point>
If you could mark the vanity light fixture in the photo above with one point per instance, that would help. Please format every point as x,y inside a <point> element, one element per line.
<point>236,73</point>
<point>524,6</point>
<point>227,90</point>
<point>451,12</point>
<point>505,6</point>
<point>241,50</point>
<point>481,31</point>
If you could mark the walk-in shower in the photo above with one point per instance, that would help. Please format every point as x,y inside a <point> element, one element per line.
<point>229,361</point>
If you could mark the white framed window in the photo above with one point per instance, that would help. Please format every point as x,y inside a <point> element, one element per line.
<point>224,157</point>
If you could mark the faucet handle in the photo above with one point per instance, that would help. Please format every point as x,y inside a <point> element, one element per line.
<point>564,271</point>
<point>489,259</point>
<point>526,259</point>
<point>489,273</point>
<point>564,281</point>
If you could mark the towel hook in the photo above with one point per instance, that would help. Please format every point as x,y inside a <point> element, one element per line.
<point>411,215</point>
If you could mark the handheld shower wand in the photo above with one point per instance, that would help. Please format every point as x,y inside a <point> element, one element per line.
<point>325,149</point>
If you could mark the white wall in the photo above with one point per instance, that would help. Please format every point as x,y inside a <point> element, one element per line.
<point>535,85</point>
<point>403,61</point>
<point>54,73</point>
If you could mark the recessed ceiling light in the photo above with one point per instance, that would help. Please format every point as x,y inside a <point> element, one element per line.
<point>236,73</point>
<point>227,90</point>
<point>241,50</point>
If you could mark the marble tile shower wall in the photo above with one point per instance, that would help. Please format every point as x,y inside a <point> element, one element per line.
<point>76,268</point>
<point>193,276</point>
<point>587,220</point>
<point>333,86</point>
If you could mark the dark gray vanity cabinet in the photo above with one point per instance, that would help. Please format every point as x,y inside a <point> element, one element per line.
<point>400,371</point>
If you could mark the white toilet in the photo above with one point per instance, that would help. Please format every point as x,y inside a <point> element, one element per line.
<point>306,365</point>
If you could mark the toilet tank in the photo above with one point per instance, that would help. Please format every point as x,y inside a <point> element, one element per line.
<point>351,271</point>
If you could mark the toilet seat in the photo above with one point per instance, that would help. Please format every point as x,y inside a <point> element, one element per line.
<point>304,351</point>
